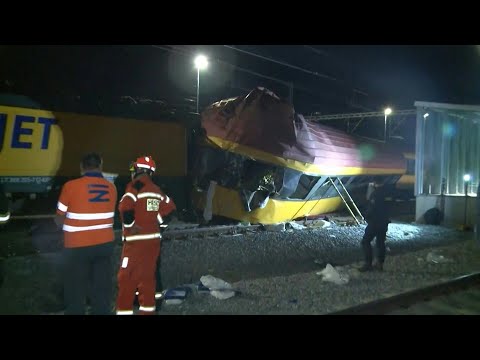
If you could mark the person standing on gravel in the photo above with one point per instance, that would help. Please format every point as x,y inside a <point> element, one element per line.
<point>378,218</point>
<point>85,211</point>
<point>144,209</point>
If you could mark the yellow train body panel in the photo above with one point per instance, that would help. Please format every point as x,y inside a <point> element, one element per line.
<point>122,140</point>
<point>29,148</point>
<point>227,203</point>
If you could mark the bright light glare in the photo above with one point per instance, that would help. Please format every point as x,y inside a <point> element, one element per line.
<point>201,62</point>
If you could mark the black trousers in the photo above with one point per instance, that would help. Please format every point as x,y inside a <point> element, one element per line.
<point>88,271</point>
<point>378,231</point>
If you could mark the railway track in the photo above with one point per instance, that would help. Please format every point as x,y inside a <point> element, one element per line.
<point>458,296</point>
<point>174,231</point>
<point>187,232</point>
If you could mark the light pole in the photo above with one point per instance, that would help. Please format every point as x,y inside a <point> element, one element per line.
<point>387,112</point>
<point>201,63</point>
<point>466,180</point>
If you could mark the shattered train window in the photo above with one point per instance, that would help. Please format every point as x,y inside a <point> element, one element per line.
<point>259,176</point>
<point>211,164</point>
<point>289,182</point>
<point>304,186</point>
<point>322,190</point>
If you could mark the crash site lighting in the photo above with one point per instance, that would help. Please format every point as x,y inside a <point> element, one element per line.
<point>201,63</point>
<point>387,112</point>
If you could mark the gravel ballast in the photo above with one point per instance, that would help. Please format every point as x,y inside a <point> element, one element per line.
<point>274,271</point>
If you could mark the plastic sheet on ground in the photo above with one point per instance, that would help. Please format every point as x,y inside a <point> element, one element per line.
<point>219,288</point>
<point>330,274</point>
<point>296,226</point>
<point>318,224</point>
<point>280,227</point>
<point>436,258</point>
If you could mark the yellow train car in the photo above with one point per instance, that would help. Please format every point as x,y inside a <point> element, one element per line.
<point>407,181</point>
<point>41,149</point>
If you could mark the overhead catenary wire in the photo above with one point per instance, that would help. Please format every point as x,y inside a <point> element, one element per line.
<point>315,73</point>
<point>291,85</point>
<point>282,63</point>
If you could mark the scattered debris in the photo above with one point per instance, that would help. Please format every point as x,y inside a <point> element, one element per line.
<point>222,294</point>
<point>296,226</point>
<point>202,289</point>
<point>219,288</point>
<point>319,224</point>
<point>175,296</point>
<point>437,258</point>
<point>330,274</point>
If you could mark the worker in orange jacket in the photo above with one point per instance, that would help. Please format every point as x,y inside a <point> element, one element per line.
<point>85,211</point>
<point>143,210</point>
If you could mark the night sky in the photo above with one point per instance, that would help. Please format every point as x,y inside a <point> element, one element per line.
<point>327,78</point>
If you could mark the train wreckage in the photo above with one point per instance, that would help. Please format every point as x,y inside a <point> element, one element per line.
<point>260,162</point>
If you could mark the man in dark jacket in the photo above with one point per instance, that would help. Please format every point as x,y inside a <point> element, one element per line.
<point>378,218</point>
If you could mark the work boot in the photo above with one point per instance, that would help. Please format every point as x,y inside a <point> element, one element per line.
<point>378,266</point>
<point>366,267</point>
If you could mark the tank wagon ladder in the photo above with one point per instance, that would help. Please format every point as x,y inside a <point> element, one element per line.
<point>359,214</point>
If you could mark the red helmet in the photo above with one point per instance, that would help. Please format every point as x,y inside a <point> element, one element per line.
<point>143,162</point>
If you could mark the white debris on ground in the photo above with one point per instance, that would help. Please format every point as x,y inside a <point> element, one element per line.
<point>306,293</point>
<point>295,225</point>
<point>219,288</point>
<point>402,231</point>
<point>437,258</point>
<point>332,275</point>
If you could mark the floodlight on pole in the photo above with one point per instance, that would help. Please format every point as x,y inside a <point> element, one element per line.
<point>387,112</point>
<point>201,63</point>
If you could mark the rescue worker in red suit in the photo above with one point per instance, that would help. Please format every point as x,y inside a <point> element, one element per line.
<point>142,209</point>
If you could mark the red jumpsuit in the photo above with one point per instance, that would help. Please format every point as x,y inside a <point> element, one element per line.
<point>142,209</point>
